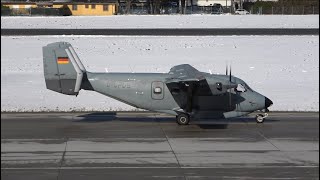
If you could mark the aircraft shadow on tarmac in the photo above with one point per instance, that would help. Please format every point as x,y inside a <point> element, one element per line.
<point>204,124</point>
<point>112,116</point>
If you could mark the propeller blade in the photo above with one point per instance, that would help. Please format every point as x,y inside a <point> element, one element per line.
<point>230,75</point>
<point>226,69</point>
<point>230,91</point>
<point>230,106</point>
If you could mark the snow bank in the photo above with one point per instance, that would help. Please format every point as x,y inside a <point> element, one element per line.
<point>284,68</point>
<point>163,21</point>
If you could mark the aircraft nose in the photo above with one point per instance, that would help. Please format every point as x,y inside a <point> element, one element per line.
<point>267,102</point>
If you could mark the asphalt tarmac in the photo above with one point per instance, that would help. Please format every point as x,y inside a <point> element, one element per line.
<point>139,146</point>
<point>164,32</point>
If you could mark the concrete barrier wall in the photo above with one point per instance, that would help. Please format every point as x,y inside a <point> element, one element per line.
<point>163,21</point>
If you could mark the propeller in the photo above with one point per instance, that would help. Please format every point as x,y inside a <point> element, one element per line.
<point>230,105</point>
<point>231,85</point>
<point>230,74</point>
<point>226,69</point>
<point>230,82</point>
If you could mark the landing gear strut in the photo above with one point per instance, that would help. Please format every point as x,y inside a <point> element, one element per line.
<point>260,117</point>
<point>183,119</point>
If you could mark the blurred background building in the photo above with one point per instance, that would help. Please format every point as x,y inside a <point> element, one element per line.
<point>114,7</point>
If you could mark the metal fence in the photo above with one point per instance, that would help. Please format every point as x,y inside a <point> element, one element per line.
<point>173,10</point>
<point>285,10</point>
<point>140,10</point>
<point>288,10</point>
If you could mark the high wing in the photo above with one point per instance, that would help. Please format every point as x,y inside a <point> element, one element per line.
<point>184,73</point>
<point>185,82</point>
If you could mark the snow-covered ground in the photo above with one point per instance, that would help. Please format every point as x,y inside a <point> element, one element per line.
<point>164,21</point>
<point>284,68</point>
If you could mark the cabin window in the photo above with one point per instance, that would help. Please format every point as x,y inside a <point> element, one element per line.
<point>219,86</point>
<point>86,6</point>
<point>105,7</point>
<point>74,7</point>
<point>157,90</point>
<point>240,88</point>
<point>93,6</point>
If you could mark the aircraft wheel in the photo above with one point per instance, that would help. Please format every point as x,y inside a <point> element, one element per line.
<point>183,119</point>
<point>260,118</point>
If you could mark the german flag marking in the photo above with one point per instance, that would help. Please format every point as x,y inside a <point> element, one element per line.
<point>63,60</point>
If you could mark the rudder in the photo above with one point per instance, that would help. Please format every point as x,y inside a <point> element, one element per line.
<point>63,70</point>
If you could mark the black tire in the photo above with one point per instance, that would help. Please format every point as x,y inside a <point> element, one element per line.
<point>183,119</point>
<point>259,118</point>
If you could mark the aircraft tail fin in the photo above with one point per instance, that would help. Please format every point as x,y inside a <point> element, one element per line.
<point>63,70</point>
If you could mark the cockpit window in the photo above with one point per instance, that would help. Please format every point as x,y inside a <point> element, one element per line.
<point>240,88</point>
<point>247,87</point>
<point>244,84</point>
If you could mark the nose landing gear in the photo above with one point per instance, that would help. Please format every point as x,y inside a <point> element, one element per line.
<point>260,117</point>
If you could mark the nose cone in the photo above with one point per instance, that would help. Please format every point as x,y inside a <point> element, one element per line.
<point>267,102</point>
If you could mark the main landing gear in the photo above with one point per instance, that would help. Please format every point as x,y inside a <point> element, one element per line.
<point>260,117</point>
<point>183,119</point>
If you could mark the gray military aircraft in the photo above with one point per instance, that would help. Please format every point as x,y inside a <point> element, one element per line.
<point>184,92</point>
